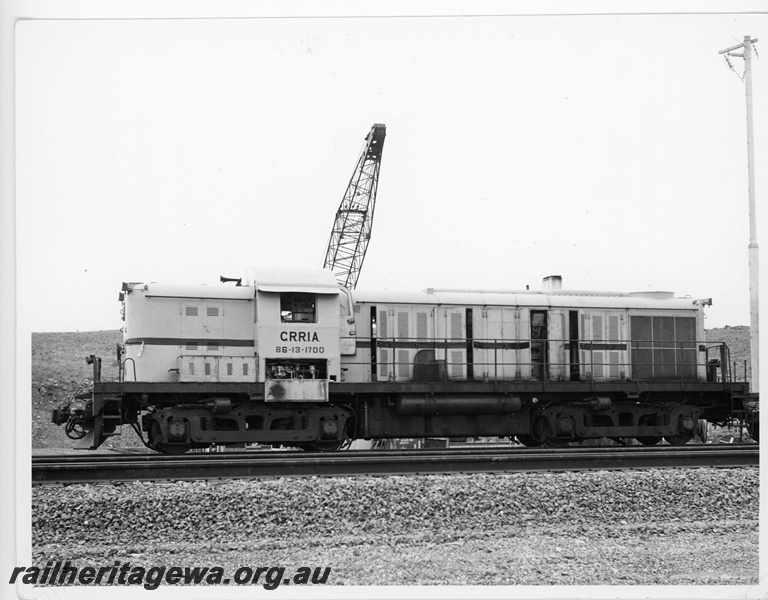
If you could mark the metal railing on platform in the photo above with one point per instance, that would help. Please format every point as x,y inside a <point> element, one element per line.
<point>500,359</point>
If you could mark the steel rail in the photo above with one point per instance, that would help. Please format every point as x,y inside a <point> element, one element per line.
<point>236,465</point>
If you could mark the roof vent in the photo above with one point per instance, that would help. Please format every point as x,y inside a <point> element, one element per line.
<point>553,282</point>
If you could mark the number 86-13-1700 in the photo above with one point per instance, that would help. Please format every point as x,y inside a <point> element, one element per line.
<point>299,349</point>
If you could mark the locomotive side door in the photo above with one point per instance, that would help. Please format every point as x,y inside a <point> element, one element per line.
<point>557,333</point>
<point>382,338</point>
<point>539,344</point>
<point>401,331</point>
<point>355,358</point>
<point>201,330</point>
<point>404,347</point>
<point>451,341</point>
<point>497,344</point>
<point>603,347</point>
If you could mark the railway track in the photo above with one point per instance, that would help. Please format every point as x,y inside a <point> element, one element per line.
<point>237,465</point>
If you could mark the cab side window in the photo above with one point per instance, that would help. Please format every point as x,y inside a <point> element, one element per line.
<point>297,307</point>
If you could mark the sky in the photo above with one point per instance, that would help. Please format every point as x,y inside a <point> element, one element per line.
<point>609,149</point>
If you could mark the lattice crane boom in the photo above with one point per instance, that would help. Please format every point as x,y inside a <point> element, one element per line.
<point>352,228</point>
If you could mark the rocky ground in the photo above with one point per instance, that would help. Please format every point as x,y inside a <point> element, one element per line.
<point>602,528</point>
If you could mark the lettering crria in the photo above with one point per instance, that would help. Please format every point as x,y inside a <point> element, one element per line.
<point>299,336</point>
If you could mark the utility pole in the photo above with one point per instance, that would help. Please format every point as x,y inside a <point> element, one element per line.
<point>754,294</point>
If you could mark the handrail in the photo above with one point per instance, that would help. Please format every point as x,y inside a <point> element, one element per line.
<point>502,359</point>
<point>122,369</point>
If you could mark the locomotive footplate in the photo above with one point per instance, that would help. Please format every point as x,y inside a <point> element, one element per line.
<point>182,415</point>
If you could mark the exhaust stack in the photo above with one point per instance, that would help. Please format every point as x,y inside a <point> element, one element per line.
<point>553,282</point>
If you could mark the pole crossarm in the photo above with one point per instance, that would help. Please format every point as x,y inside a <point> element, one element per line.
<point>736,47</point>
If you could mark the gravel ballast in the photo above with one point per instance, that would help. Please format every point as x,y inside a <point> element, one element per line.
<point>676,526</point>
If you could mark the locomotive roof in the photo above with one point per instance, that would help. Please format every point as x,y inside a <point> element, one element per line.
<point>549,298</point>
<point>317,281</point>
<point>323,281</point>
<point>201,291</point>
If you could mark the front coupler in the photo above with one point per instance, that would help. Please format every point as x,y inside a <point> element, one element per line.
<point>78,417</point>
<point>91,417</point>
<point>91,423</point>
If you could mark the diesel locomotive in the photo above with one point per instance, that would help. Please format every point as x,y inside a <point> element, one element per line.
<point>292,358</point>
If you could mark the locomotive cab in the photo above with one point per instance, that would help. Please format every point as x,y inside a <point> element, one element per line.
<point>297,335</point>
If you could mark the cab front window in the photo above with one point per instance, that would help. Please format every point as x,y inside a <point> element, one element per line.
<point>297,307</point>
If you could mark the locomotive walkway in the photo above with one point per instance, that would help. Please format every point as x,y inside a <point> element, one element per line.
<point>63,469</point>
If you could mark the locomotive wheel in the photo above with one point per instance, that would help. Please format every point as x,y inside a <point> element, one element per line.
<point>557,442</point>
<point>753,428</point>
<point>330,446</point>
<point>529,440</point>
<point>544,432</point>
<point>155,435</point>
<point>648,440</point>
<point>703,432</point>
<point>681,439</point>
